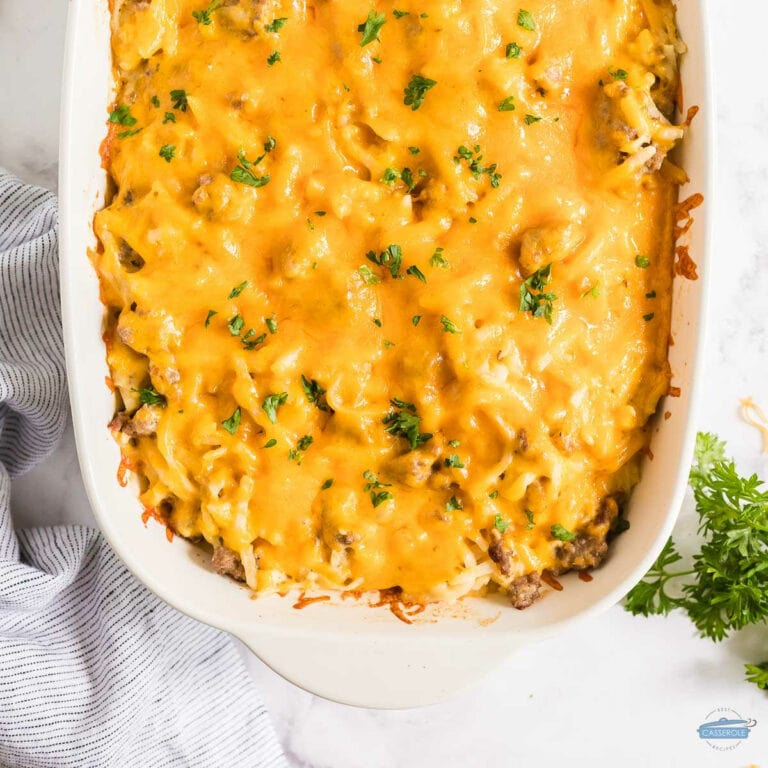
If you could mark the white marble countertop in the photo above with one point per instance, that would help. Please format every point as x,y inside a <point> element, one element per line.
<point>615,690</point>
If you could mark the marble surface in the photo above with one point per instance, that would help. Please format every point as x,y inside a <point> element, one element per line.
<point>615,690</point>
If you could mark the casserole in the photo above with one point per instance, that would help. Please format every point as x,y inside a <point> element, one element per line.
<point>342,650</point>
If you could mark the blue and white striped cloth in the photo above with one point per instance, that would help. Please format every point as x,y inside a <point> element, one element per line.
<point>94,669</point>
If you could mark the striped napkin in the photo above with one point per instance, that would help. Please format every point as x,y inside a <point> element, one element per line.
<point>94,669</point>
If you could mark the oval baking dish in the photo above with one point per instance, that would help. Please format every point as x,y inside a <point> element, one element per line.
<point>340,649</point>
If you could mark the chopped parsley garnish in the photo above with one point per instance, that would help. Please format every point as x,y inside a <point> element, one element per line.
<point>276,25</point>
<point>507,105</point>
<point>438,260</point>
<point>405,423</point>
<point>235,325</point>
<point>209,316</point>
<point>204,17</point>
<point>513,51</point>
<point>249,342</point>
<point>367,274</point>
<point>453,504</point>
<point>561,534</point>
<point>398,403</point>
<point>529,516</point>
<point>618,74</point>
<point>525,20</point>
<point>531,119</point>
<point>416,90</point>
<point>454,443</point>
<point>493,495</point>
<point>244,173</point>
<point>273,58</point>
<point>472,220</point>
<point>371,27</point>
<point>448,325</point>
<point>391,258</point>
<point>122,116</point>
<point>271,443</point>
<point>642,261</point>
<point>416,319</point>
<point>414,271</point>
<point>315,394</point>
<point>320,213</point>
<point>650,295</point>
<point>594,291</point>
<point>179,99</point>
<point>400,14</point>
<point>327,484</point>
<point>391,175</point>
<point>233,422</point>
<point>453,461</point>
<point>128,134</point>
<point>533,297</point>
<point>305,442</point>
<point>169,117</point>
<point>271,324</point>
<point>155,101</point>
<point>414,150</point>
<point>379,497</point>
<point>272,403</point>
<point>377,322</point>
<point>499,523</point>
<point>388,344</point>
<point>167,152</point>
<point>648,317</point>
<point>150,396</point>
<point>238,289</point>
<point>473,158</point>
<point>373,485</point>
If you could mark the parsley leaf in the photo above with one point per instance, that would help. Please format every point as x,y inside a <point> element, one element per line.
<point>271,403</point>
<point>448,325</point>
<point>179,100</point>
<point>233,422</point>
<point>758,674</point>
<point>405,423</point>
<point>560,533</point>
<point>271,323</point>
<point>122,116</point>
<point>209,316</point>
<point>243,173</point>
<point>400,14</point>
<point>438,260</point>
<point>276,25</point>
<point>533,297</point>
<point>150,396</point>
<point>507,105</point>
<point>327,484</point>
<point>416,90</point>
<point>453,504</point>
<point>642,261</point>
<point>238,289</point>
<point>273,58</point>
<point>368,276</point>
<point>235,325</point>
<point>453,461</point>
<point>499,523</point>
<point>473,158</point>
<point>371,27</point>
<point>618,74</point>
<point>513,51</point>
<point>414,271</point>
<point>373,485</point>
<point>314,393</point>
<point>204,17</point>
<point>169,117</point>
<point>167,152</point>
<point>391,258</point>
<point>416,319</point>
<point>531,119</point>
<point>525,20</point>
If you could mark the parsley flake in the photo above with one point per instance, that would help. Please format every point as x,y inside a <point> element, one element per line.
<point>271,403</point>
<point>525,20</point>
<point>371,27</point>
<point>533,297</point>
<point>233,422</point>
<point>416,90</point>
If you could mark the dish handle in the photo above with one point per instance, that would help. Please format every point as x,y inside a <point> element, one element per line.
<point>379,672</point>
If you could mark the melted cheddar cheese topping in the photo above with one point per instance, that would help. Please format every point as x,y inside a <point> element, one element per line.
<point>388,284</point>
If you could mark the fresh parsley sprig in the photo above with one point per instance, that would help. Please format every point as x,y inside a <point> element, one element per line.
<point>533,297</point>
<point>726,588</point>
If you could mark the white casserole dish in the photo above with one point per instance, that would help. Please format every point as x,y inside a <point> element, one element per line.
<point>347,652</point>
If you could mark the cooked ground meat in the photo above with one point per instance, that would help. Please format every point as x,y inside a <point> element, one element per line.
<point>525,590</point>
<point>583,552</point>
<point>227,562</point>
<point>501,556</point>
<point>143,423</point>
